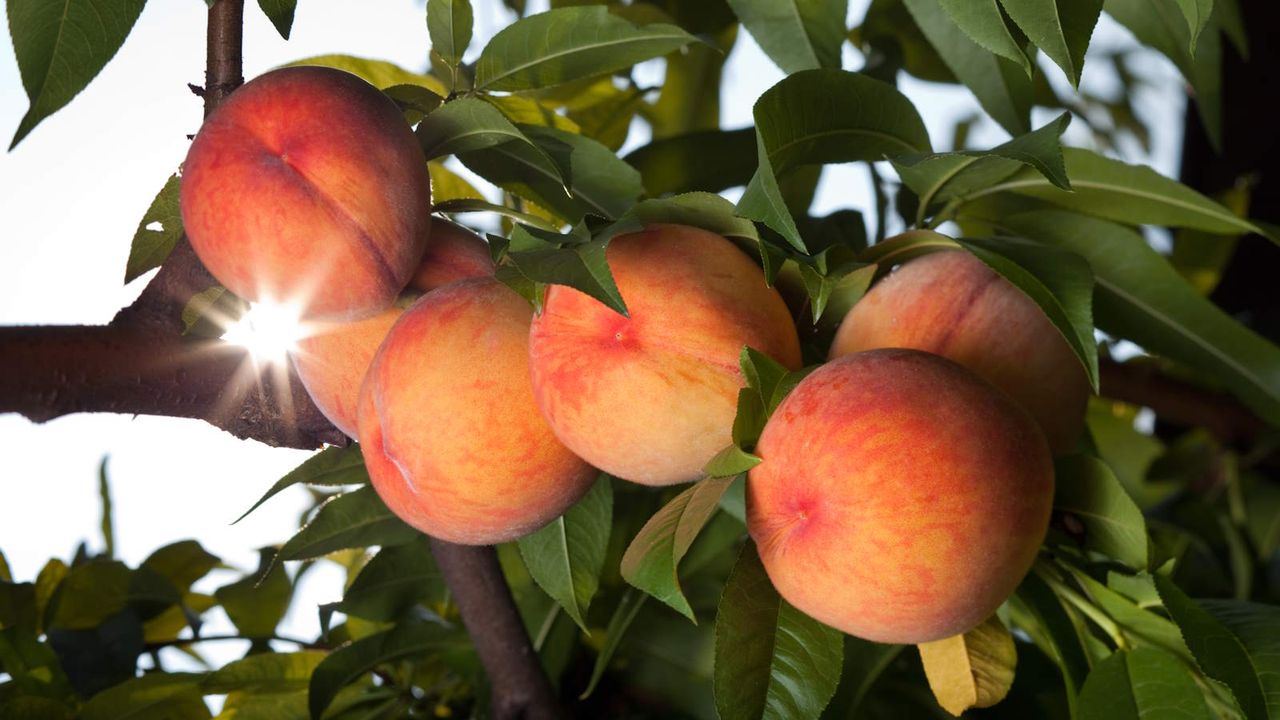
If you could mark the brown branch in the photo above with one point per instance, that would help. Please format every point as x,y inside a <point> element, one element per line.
<point>1179,401</point>
<point>520,690</point>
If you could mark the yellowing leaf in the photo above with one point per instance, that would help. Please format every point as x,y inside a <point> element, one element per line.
<point>971,670</point>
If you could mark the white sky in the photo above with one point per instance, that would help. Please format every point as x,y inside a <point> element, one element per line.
<point>72,193</point>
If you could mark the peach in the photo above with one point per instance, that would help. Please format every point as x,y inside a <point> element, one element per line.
<point>651,397</point>
<point>307,187</point>
<point>951,304</point>
<point>332,357</point>
<point>900,497</point>
<point>451,434</point>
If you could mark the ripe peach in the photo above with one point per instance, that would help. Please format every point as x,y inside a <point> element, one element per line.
<point>651,397</point>
<point>950,303</point>
<point>451,434</point>
<point>454,253</point>
<point>307,187</point>
<point>332,357</point>
<point>901,498</point>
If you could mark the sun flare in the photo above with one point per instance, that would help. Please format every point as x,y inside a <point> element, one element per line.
<point>268,331</point>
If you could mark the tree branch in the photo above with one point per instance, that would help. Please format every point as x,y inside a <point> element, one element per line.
<point>1179,401</point>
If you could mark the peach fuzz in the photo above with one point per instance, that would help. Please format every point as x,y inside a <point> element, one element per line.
<point>951,304</point>
<point>307,187</point>
<point>900,497</point>
<point>451,434</point>
<point>332,357</point>
<point>651,397</point>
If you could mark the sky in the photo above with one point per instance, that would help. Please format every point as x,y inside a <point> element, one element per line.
<point>71,196</point>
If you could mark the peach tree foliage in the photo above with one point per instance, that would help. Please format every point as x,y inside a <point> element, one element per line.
<point>653,602</point>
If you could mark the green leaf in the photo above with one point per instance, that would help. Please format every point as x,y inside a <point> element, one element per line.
<point>1113,523</point>
<point>1060,284</point>
<point>730,462</point>
<point>1163,25</point>
<point>1226,656</point>
<point>609,121</point>
<point>6,575</point>
<point>623,615</point>
<point>566,557</point>
<point>1061,28</point>
<point>567,44</point>
<point>696,209</point>
<point>280,13</point>
<point>824,116</point>
<point>90,593</point>
<point>351,520</point>
<point>150,246</point>
<point>1145,682</point>
<point>447,185</point>
<point>331,466</point>
<point>181,563</point>
<point>449,24</point>
<point>395,580</point>
<point>61,46</point>
<point>349,662</point>
<point>257,602</point>
<point>107,524</point>
<point>580,266</point>
<point>983,22</point>
<point>707,160</point>
<point>1001,87</point>
<point>379,73</point>
<point>771,660</point>
<point>464,125</point>
<point>265,673</point>
<point>944,176</point>
<point>689,100</point>
<point>1129,194</point>
<point>1197,13</point>
<point>1136,623</point>
<point>652,559</point>
<point>795,34</point>
<point>1139,296</point>
<point>156,696</point>
<point>1038,610</point>
<point>568,174</point>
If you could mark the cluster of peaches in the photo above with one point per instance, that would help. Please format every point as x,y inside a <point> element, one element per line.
<point>905,486</point>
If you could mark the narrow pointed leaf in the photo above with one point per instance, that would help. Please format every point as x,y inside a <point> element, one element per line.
<point>1113,523</point>
<point>1001,86</point>
<point>771,660</point>
<point>1145,682</point>
<point>329,467</point>
<point>973,669</point>
<point>566,557</point>
<point>379,73</point>
<point>257,602</point>
<point>623,615</point>
<point>652,559</point>
<point>1061,28</point>
<point>567,44</point>
<point>280,13</point>
<point>394,581</point>
<point>61,46</point>
<point>449,24</point>
<point>265,673</point>
<point>983,22</point>
<point>464,125</point>
<point>157,232</point>
<point>351,520</point>
<point>795,34</point>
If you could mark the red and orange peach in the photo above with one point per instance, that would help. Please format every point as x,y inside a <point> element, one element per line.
<point>651,397</point>
<point>900,497</point>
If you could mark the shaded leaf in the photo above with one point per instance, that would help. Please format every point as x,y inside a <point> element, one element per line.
<point>1145,682</point>
<point>707,160</point>
<point>586,41</point>
<point>1113,523</point>
<point>156,696</point>
<point>795,34</point>
<point>449,24</point>
<point>379,73</point>
<point>973,669</point>
<point>181,563</point>
<point>395,580</point>
<point>771,660</point>
<point>623,615</point>
<point>1061,28</point>
<point>464,125</point>
<point>331,466</point>
<point>1051,628</point>
<point>280,13</point>
<point>265,673</point>
<point>257,602</point>
<point>652,558</point>
<point>61,46</point>
<point>983,22</point>
<point>566,557</point>
<point>354,519</point>
<point>1001,86</point>
<point>581,266</point>
<point>157,232</point>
